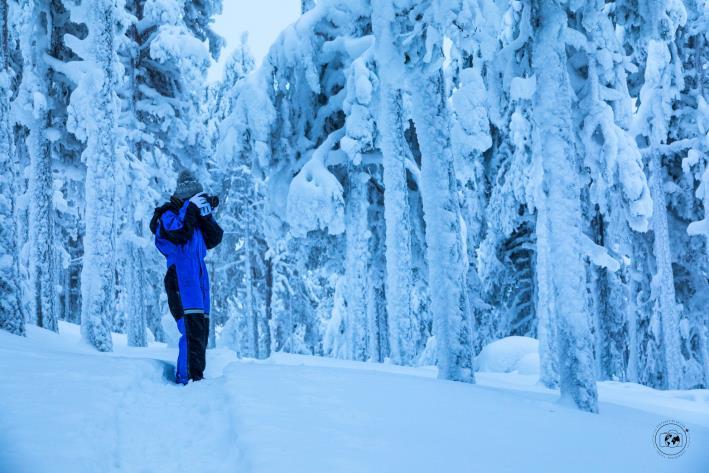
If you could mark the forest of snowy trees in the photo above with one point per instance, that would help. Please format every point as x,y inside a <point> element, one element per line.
<point>400,180</point>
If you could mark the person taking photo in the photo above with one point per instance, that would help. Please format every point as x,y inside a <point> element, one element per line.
<point>184,230</point>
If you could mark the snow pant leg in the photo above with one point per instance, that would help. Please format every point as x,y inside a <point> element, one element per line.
<point>182,371</point>
<point>197,327</point>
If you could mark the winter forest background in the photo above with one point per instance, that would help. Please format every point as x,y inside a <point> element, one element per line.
<point>400,180</point>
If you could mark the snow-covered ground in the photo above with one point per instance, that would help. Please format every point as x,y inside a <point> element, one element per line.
<point>66,408</point>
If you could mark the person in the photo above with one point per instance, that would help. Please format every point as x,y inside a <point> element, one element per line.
<point>184,230</point>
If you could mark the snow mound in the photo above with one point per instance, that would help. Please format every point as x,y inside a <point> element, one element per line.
<point>510,354</point>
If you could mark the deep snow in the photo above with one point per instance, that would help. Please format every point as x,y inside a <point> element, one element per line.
<point>67,408</point>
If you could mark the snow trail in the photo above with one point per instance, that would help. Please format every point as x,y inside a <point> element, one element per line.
<point>110,412</point>
<point>192,425</point>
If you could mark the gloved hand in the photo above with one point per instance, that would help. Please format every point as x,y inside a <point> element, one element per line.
<point>198,199</point>
<point>205,210</point>
<point>201,203</point>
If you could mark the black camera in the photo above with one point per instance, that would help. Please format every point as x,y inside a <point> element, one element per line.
<point>212,200</point>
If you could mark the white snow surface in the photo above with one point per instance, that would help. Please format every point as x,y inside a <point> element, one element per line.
<point>67,408</point>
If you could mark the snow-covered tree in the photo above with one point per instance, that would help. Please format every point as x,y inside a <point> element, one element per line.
<point>491,154</point>
<point>392,118</point>
<point>561,270</point>
<point>170,61</point>
<point>403,332</point>
<point>618,203</point>
<point>243,277</point>
<point>698,155</point>
<point>421,58</point>
<point>68,170</point>
<point>94,112</point>
<point>33,109</point>
<point>306,76</point>
<point>223,94</point>
<point>12,317</point>
<point>688,206</point>
<point>661,87</point>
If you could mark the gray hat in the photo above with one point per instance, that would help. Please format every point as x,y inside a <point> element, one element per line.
<point>187,185</point>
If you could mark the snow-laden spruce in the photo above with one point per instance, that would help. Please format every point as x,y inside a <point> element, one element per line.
<point>401,320</point>
<point>420,58</point>
<point>559,213</point>
<point>12,317</point>
<point>93,118</point>
<point>32,107</point>
<point>656,97</point>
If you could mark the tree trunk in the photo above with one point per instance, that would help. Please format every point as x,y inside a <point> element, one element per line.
<point>663,288</point>
<point>34,39</point>
<point>98,273</point>
<point>452,325</point>
<point>401,324</point>
<point>134,273</point>
<point>356,259</point>
<point>560,212</point>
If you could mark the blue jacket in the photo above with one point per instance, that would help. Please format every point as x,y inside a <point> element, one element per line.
<point>183,236</point>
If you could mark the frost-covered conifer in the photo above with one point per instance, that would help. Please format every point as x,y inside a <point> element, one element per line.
<point>661,87</point>
<point>12,317</point>
<point>69,171</point>
<point>94,112</point>
<point>312,143</point>
<point>239,280</point>
<point>618,203</point>
<point>245,281</point>
<point>223,95</point>
<point>392,119</point>
<point>33,109</point>
<point>421,59</point>
<point>557,200</point>
<point>688,206</point>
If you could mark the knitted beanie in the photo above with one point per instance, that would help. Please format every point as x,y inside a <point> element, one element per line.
<point>187,185</point>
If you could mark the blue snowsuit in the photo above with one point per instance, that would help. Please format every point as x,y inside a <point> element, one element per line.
<point>183,236</point>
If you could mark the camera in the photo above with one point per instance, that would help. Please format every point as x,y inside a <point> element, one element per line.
<point>212,200</point>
